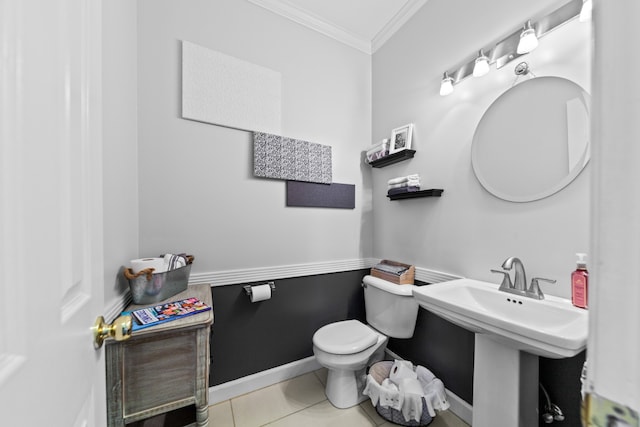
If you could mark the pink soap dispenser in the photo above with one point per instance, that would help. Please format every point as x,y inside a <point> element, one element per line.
<point>580,283</point>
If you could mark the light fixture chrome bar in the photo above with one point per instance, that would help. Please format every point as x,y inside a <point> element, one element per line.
<point>504,51</point>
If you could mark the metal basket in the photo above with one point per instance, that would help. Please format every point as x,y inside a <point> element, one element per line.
<point>152,288</point>
<point>395,416</point>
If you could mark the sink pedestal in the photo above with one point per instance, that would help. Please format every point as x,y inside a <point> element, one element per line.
<point>505,385</point>
<point>511,332</point>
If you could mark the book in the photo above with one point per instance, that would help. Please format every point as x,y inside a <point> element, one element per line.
<point>162,313</point>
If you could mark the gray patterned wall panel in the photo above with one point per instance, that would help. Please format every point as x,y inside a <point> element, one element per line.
<point>286,158</point>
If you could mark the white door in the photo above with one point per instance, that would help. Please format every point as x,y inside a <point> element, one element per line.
<point>51,275</point>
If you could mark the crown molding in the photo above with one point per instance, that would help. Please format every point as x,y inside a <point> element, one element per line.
<point>400,18</point>
<point>287,10</point>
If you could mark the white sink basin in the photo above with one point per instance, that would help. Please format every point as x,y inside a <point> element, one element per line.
<point>551,327</point>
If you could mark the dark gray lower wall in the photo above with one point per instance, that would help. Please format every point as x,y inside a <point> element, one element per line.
<point>443,348</point>
<point>251,337</point>
<point>561,379</point>
<point>247,337</point>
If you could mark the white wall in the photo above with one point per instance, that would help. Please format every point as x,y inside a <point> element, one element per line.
<point>197,190</point>
<point>468,231</point>
<point>120,152</point>
<point>614,328</point>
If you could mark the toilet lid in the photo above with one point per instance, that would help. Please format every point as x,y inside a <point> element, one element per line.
<point>346,337</point>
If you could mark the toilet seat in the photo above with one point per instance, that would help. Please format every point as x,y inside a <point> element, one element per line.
<point>345,337</point>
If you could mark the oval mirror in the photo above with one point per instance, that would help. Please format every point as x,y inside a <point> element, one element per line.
<point>533,140</point>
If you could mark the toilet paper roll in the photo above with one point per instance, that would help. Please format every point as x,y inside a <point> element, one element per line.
<point>142,263</point>
<point>260,293</point>
<point>400,370</point>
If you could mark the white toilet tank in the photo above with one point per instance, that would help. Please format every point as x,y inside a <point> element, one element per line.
<point>391,309</point>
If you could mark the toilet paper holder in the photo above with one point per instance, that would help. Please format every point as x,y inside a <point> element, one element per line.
<point>247,288</point>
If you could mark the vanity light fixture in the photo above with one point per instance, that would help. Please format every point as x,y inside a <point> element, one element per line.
<point>528,39</point>
<point>481,66</point>
<point>585,12</point>
<point>446,86</point>
<point>512,46</point>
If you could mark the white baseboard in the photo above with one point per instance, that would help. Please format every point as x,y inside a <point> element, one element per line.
<point>457,405</point>
<point>115,307</point>
<point>235,388</point>
<point>460,407</point>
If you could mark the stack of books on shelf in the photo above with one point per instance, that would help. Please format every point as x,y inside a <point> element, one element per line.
<point>403,184</point>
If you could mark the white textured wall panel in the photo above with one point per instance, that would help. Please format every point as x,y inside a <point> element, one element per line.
<point>226,91</point>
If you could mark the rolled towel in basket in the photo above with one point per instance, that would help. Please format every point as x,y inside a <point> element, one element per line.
<point>171,261</point>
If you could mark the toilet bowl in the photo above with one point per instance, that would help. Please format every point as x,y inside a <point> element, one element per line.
<point>346,348</point>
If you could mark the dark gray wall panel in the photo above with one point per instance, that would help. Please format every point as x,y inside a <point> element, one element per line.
<point>443,348</point>
<point>252,337</point>
<point>561,378</point>
<point>309,194</point>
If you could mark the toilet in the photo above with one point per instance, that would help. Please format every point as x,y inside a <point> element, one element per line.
<point>348,347</point>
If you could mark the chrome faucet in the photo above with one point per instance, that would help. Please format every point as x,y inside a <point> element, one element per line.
<point>520,281</point>
<point>519,285</point>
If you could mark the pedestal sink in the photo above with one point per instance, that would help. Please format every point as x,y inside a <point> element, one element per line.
<point>511,333</point>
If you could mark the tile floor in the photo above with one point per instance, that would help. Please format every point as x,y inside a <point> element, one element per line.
<point>301,402</point>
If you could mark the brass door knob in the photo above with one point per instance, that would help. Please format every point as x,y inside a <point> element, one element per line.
<point>119,330</point>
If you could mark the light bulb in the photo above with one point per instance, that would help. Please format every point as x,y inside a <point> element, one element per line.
<point>481,66</point>
<point>528,39</point>
<point>446,86</point>
<point>585,12</point>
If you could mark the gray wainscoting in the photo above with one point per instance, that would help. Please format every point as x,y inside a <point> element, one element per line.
<point>251,337</point>
<point>248,338</point>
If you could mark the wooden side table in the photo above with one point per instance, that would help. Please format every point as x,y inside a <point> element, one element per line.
<point>161,368</point>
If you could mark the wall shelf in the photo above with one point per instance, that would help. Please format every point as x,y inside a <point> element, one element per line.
<point>433,192</point>
<point>393,158</point>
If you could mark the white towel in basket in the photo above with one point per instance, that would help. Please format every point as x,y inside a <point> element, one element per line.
<point>386,393</point>
<point>411,391</point>
<point>407,395</point>
<point>436,396</point>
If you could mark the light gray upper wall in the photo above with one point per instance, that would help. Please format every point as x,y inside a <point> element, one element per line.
<point>197,192</point>
<point>468,231</point>
<point>120,133</point>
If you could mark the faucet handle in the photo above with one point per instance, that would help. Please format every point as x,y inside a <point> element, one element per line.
<point>506,280</point>
<point>535,287</point>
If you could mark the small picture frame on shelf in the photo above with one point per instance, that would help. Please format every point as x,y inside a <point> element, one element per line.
<point>401,138</point>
